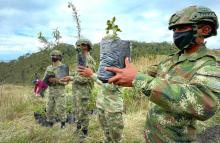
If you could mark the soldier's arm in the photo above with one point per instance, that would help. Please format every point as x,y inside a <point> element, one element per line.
<point>88,73</point>
<point>70,77</point>
<point>94,77</point>
<point>152,70</point>
<point>198,99</point>
<point>92,64</point>
<point>96,80</point>
<point>49,76</point>
<point>45,74</point>
<point>142,80</point>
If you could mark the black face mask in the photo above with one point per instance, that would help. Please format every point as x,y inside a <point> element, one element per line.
<point>183,40</point>
<point>55,59</point>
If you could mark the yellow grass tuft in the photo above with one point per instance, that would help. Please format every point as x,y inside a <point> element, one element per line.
<point>143,63</point>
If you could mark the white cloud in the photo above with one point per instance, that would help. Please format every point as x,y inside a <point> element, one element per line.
<point>18,44</point>
<point>213,42</point>
<point>151,14</point>
<point>139,20</point>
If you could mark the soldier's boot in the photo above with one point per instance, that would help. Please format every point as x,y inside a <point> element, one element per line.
<point>85,132</point>
<point>82,135</point>
<point>78,126</point>
<point>78,129</point>
<point>49,124</point>
<point>62,125</point>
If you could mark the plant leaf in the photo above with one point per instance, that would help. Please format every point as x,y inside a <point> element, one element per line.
<point>113,19</point>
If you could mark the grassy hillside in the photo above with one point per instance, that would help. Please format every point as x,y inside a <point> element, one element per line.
<point>21,71</point>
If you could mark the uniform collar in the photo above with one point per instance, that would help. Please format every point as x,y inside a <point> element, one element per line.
<point>201,52</point>
<point>59,64</point>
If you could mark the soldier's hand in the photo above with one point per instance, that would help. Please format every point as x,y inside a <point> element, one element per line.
<point>66,79</point>
<point>123,77</point>
<point>53,80</point>
<point>84,71</point>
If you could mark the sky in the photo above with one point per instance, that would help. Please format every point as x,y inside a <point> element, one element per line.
<point>141,20</point>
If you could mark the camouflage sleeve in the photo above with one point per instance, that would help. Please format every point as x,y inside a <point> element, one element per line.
<point>197,99</point>
<point>210,76</point>
<point>142,80</point>
<point>81,79</point>
<point>152,70</point>
<point>72,74</point>
<point>92,64</point>
<point>48,69</point>
<point>96,80</point>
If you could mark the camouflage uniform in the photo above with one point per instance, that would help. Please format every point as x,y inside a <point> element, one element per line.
<point>183,89</point>
<point>56,98</point>
<point>110,107</point>
<point>109,103</point>
<point>82,90</point>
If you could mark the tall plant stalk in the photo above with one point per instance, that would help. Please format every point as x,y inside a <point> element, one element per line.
<point>75,18</point>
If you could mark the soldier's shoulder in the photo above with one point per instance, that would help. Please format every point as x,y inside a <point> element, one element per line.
<point>64,65</point>
<point>168,58</point>
<point>216,56</point>
<point>174,55</point>
<point>49,67</point>
<point>212,59</point>
<point>210,70</point>
<point>91,59</point>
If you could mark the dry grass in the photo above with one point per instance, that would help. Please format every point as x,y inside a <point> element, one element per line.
<point>134,126</point>
<point>13,101</point>
<point>18,124</point>
<point>143,63</point>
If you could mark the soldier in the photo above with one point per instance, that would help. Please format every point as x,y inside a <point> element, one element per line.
<point>110,108</point>
<point>56,99</point>
<point>82,89</point>
<point>109,103</point>
<point>184,88</point>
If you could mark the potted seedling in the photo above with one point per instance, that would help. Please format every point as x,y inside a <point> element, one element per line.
<point>113,51</point>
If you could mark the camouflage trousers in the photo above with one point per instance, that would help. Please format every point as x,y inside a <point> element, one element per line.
<point>81,94</point>
<point>112,125</point>
<point>81,112</point>
<point>56,104</point>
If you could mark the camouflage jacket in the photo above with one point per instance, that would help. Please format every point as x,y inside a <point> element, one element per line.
<point>110,98</point>
<point>52,71</point>
<point>84,85</point>
<point>183,89</point>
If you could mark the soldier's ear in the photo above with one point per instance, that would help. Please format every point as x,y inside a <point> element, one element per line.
<point>61,57</point>
<point>206,30</point>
